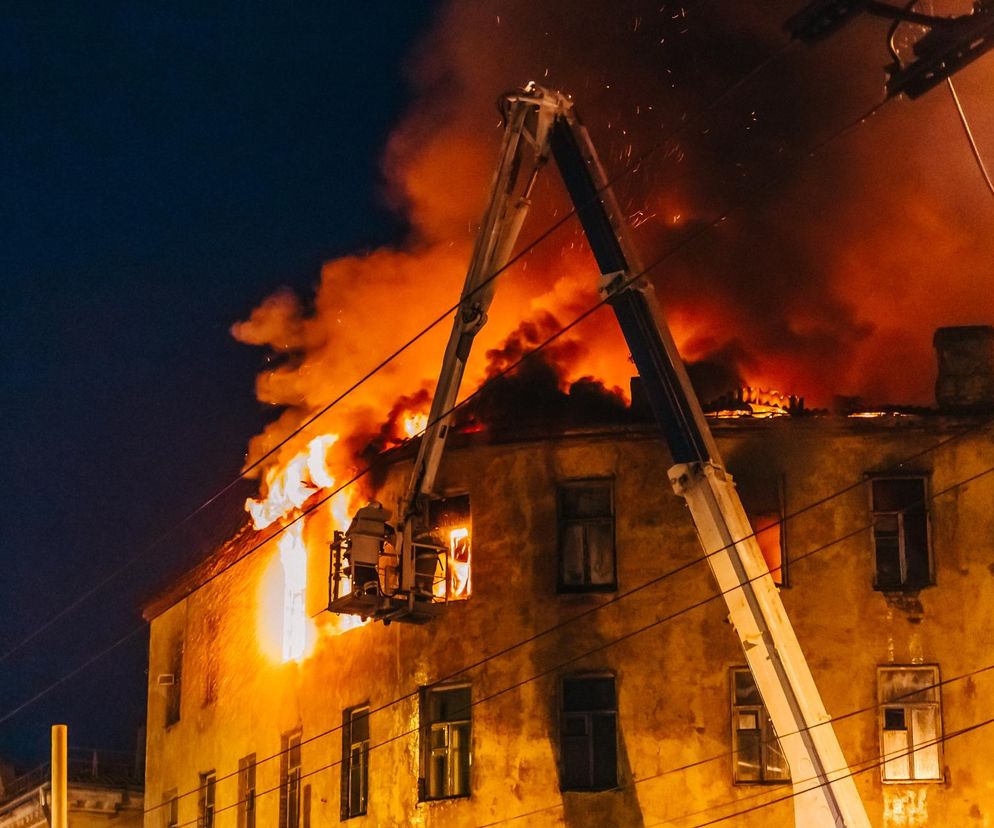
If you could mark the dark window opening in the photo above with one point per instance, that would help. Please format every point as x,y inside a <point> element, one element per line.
<point>586,536</point>
<point>173,679</point>
<point>355,761</point>
<point>900,533</point>
<point>757,756</point>
<point>589,734</point>
<point>246,791</point>
<point>446,733</point>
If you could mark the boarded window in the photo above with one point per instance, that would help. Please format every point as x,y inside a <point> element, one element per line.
<point>290,789</point>
<point>756,753</point>
<point>900,533</point>
<point>910,724</point>
<point>446,732</point>
<point>206,803</point>
<point>246,791</point>
<point>586,536</point>
<point>589,734</point>
<point>355,761</point>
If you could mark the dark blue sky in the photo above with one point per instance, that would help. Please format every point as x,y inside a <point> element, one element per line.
<point>164,167</point>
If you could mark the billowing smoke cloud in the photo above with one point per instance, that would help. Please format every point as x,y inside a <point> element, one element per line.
<point>827,276</point>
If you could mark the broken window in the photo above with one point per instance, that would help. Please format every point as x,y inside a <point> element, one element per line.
<point>756,753</point>
<point>246,791</point>
<point>449,518</point>
<point>170,809</point>
<point>900,533</point>
<point>355,761</point>
<point>910,723</point>
<point>206,803</point>
<point>586,536</point>
<point>172,679</point>
<point>445,736</point>
<point>589,733</point>
<point>290,793</point>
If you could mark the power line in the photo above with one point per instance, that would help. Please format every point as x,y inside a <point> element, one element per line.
<point>969,136</point>
<point>810,153</point>
<point>587,653</point>
<point>629,168</point>
<point>728,754</point>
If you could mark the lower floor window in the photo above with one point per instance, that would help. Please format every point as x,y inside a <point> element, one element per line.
<point>589,733</point>
<point>355,761</point>
<point>910,723</point>
<point>446,733</point>
<point>756,749</point>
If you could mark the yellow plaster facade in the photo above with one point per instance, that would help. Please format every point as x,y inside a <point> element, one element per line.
<point>668,645</point>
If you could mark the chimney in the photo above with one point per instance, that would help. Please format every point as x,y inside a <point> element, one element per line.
<point>966,367</point>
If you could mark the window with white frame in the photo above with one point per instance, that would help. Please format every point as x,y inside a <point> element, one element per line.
<point>206,802</point>
<point>355,761</point>
<point>446,732</point>
<point>291,804</point>
<point>757,757</point>
<point>910,723</point>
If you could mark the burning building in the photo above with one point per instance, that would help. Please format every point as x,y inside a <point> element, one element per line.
<point>577,668</point>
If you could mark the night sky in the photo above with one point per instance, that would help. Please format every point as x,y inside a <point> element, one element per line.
<point>167,166</point>
<point>164,167</point>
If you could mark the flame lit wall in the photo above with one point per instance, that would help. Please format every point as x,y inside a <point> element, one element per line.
<point>829,278</point>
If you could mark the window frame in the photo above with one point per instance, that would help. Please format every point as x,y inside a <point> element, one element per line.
<point>765,729</point>
<point>934,686</point>
<point>349,745</point>
<point>170,808</point>
<point>176,655</point>
<point>587,716</point>
<point>246,810</point>
<point>290,780</point>
<point>562,587</point>
<point>904,585</point>
<point>207,800</point>
<point>428,728</point>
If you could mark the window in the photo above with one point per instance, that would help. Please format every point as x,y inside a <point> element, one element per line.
<point>756,757</point>
<point>586,536</point>
<point>900,533</point>
<point>170,809</point>
<point>449,518</point>
<point>445,738</point>
<point>246,791</point>
<point>211,657</point>
<point>206,802</point>
<point>910,723</point>
<point>589,734</point>
<point>763,496</point>
<point>355,761</point>
<point>173,679</point>
<point>290,798</point>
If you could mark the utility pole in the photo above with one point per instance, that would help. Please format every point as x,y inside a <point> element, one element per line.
<point>60,776</point>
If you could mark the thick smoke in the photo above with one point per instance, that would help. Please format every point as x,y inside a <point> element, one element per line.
<point>826,277</point>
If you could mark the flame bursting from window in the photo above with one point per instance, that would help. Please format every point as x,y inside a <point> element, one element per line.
<point>453,581</point>
<point>289,488</point>
<point>293,559</point>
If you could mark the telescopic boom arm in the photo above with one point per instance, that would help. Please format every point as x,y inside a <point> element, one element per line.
<point>539,122</point>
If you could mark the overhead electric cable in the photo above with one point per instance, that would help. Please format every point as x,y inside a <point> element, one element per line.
<point>594,650</point>
<point>607,644</point>
<point>969,136</point>
<point>629,168</point>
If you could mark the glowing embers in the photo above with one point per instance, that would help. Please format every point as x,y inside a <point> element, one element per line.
<point>293,560</point>
<point>754,402</point>
<point>414,424</point>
